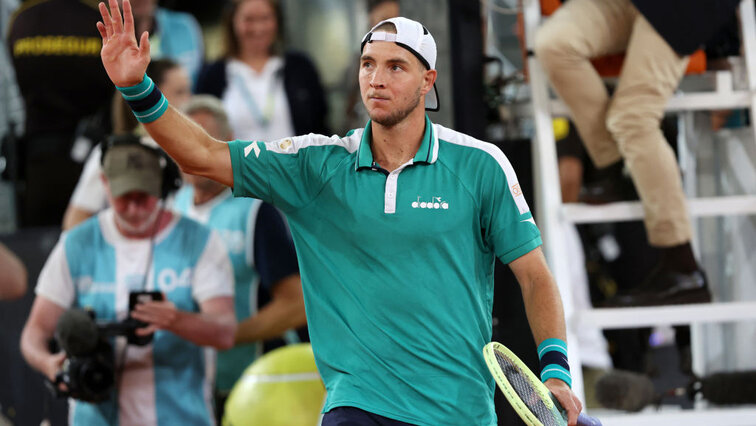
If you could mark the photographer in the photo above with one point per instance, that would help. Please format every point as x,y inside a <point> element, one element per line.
<point>138,246</point>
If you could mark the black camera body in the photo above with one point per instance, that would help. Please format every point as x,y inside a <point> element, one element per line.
<point>89,371</point>
<point>88,377</point>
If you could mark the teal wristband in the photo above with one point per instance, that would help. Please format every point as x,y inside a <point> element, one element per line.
<point>145,99</point>
<point>552,344</point>
<point>552,354</point>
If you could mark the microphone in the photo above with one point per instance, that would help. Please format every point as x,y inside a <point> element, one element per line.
<point>729,388</point>
<point>76,332</point>
<point>628,391</point>
<point>625,390</point>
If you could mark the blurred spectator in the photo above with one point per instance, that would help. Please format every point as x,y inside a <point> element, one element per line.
<point>13,275</point>
<point>269,93</point>
<point>136,246</point>
<point>657,37</point>
<point>173,35</point>
<point>356,115</point>
<point>55,48</point>
<point>89,195</point>
<point>262,255</point>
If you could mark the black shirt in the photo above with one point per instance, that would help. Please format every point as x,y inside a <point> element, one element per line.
<point>686,25</point>
<point>55,47</point>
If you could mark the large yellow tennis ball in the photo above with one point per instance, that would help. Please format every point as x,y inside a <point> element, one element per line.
<point>282,388</point>
<point>561,128</point>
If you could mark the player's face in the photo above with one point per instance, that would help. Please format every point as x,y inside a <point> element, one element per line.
<point>176,86</point>
<point>135,211</point>
<point>393,82</point>
<point>255,25</point>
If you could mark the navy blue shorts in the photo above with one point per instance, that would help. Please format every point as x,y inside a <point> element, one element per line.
<point>351,416</point>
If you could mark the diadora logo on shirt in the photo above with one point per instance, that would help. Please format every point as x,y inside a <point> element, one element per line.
<point>434,203</point>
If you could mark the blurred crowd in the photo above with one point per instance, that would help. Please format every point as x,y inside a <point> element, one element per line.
<point>69,141</point>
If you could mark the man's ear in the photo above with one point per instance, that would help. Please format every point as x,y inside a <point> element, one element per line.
<point>428,79</point>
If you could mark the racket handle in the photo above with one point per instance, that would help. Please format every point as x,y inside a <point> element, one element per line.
<point>586,420</point>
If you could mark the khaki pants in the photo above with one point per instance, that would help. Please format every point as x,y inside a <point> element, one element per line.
<point>627,124</point>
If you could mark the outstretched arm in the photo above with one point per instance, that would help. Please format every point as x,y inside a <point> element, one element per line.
<point>125,62</point>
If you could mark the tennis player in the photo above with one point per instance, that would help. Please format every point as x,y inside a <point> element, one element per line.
<point>396,225</point>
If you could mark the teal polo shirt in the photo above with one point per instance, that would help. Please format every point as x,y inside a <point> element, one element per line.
<point>397,267</point>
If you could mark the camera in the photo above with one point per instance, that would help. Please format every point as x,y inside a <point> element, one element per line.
<point>89,371</point>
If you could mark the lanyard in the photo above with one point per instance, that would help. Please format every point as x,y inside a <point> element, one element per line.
<point>261,117</point>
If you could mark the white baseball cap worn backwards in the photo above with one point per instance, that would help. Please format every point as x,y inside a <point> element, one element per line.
<point>412,36</point>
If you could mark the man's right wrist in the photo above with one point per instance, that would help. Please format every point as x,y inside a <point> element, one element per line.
<point>145,99</point>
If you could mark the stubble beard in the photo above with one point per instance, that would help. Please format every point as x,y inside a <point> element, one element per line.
<point>398,116</point>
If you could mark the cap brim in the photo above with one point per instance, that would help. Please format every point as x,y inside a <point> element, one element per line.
<point>432,102</point>
<point>141,181</point>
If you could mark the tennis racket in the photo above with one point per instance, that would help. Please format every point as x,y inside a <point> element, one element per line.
<point>530,398</point>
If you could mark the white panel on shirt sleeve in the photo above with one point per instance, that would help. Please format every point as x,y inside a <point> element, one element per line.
<point>213,274</point>
<point>515,191</point>
<point>89,193</point>
<point>55,282</point>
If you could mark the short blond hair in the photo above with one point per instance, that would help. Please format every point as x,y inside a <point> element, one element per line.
<point>211,105</point>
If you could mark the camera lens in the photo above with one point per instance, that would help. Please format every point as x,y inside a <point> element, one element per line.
<point>97,378</point>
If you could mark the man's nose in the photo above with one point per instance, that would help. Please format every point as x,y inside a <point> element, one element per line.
<point>377,78</point>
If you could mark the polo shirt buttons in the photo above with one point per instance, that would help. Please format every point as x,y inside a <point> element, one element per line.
<point>389,202</point>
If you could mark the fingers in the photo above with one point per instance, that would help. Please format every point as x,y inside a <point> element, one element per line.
<point>115,13</point>
<point>578,404</point>
<point>103,32</point>
<point>160,314</point>
<point>146,331</point>
<point>106,20</point>
<point>144,45</point>
<point>128,18</point>
<point>568,403</point>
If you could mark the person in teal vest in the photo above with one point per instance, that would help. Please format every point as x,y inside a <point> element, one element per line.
<point>138,245</point>
<point>262,255</point>
<point>396,227</point>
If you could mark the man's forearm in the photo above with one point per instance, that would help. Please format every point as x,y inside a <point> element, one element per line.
<point>543,306</point>
<point>190,146</point>
<point>35,350</point>
<point>271,321</point>
<point>204,329</point>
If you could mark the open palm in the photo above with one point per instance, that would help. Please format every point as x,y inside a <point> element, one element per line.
<point>124,60</point>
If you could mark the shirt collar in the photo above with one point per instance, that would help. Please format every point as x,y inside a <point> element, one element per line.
<point>427,153</point>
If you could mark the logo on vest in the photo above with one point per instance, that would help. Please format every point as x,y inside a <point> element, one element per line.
<point>168,280</point>
<point>435,203</point>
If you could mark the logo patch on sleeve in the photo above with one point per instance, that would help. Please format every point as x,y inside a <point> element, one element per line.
<point>516,190</point>
<point>285,144</point>
<point>249,148</point>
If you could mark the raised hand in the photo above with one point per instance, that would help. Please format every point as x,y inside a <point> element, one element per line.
<point>124,60</point>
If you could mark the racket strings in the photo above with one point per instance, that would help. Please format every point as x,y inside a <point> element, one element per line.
<point>527,393</point>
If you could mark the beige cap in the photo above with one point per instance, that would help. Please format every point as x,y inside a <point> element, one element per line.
<point>132,168</point>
